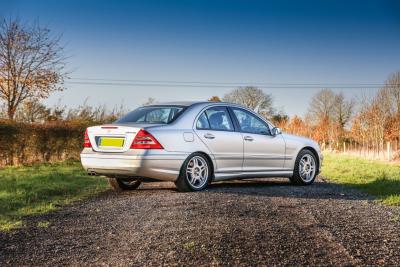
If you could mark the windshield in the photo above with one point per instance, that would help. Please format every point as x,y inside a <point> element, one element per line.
<point>152,114</point>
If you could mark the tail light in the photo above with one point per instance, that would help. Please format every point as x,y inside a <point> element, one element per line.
<point>86,141</point>
<point>144,140</point>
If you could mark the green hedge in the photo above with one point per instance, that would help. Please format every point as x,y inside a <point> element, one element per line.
<point>22,144</point>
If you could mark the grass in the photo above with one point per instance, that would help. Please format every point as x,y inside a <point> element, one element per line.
<point>43,224</point>
<point>42,188</point>
<point>379,179</point>
<point>189,245</point>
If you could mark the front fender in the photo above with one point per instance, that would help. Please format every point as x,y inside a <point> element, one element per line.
<point>294,144</point>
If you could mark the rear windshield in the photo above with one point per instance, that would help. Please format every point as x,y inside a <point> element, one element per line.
<point>152,114</point>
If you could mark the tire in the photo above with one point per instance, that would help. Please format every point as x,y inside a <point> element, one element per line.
<point>305,176</point>
<point>195,173</point>
<point>119,184</point>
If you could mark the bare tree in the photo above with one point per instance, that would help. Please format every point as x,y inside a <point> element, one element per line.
<point>117,112</point>
<point>391,90</point>
<point>3,110</point>
<point>322,105</point>
<point>32,63</point>
<point>253,98</point>
<point>392,85</point>
<point>32,111</point>
<point>342,110</point>
<point>149,101</point>
<point>86,113</point>
<point>382,115</point>
<point>330,114</point>
<point>57,112</point>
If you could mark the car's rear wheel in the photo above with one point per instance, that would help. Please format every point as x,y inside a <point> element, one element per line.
<point>305,169</point>
<point>195,173</point>
<point>120,184</point>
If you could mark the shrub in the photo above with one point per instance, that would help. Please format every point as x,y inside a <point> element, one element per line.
<point>22,144</point>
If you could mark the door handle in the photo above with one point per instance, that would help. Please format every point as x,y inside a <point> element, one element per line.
<point>248,138</point>
<point>209,136</point>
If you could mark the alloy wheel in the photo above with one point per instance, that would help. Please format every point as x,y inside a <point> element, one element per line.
<point>197,172</point>
<point>307,168</point>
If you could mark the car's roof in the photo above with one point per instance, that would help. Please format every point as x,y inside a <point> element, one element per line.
<point>198,105</point>
<point>187,103</point>
<point>174,103</point>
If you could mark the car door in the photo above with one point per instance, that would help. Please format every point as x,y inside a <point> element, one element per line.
<point>215,128</point>
<point>261,150</point>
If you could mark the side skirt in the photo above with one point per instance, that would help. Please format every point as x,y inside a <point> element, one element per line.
<point>220,176</point>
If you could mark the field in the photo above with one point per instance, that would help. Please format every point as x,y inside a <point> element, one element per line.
<point>41,188</point>
<point>379,179</point>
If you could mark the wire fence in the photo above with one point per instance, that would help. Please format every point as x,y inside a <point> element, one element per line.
<point>386,151</point>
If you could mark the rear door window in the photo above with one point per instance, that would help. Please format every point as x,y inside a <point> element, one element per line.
<point>215,118</point>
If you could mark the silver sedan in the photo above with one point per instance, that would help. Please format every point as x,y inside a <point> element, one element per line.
<point>195,143</point>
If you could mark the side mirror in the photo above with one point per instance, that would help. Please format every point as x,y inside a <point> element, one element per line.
<point>276,131</point>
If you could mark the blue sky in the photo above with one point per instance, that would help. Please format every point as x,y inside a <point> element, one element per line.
<point>246,42</point>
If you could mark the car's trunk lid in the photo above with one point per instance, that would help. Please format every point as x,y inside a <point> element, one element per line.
<point>113,137</point>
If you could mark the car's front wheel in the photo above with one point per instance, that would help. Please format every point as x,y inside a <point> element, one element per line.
<point>195,174</point>
<point>120,184</point>
<point>305,169</point>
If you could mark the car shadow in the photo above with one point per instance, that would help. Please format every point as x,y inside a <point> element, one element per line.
<point>278,187</point>
<point>268,187</point>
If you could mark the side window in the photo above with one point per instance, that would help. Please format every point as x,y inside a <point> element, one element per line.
<point>202,122</point>
<point>249,123</point>
<point>218,118</point>
<point>215,118</point>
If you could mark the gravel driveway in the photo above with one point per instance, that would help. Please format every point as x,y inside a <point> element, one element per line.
<point>263,222</point>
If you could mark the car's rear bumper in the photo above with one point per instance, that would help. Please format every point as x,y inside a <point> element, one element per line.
<point>160,165</point>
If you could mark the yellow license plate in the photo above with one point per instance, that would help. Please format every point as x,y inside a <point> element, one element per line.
<point>110,141</point>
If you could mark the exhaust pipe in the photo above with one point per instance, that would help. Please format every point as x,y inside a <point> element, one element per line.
<point>92,173</point>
